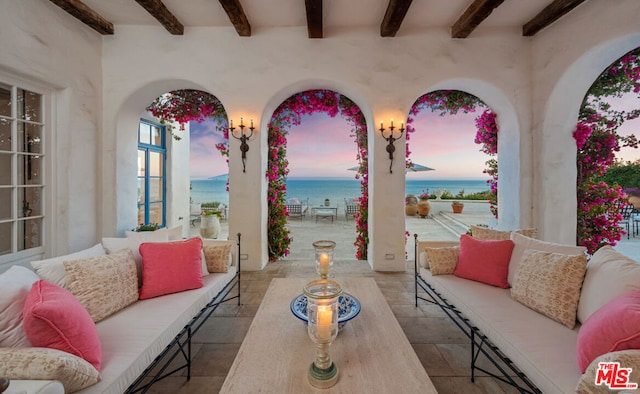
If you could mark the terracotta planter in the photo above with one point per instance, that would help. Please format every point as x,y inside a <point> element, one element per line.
<point>411,209</point>
<point>423,208</point>
<point>457,208</point>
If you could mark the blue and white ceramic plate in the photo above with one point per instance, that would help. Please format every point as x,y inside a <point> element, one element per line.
<point>348,308</point>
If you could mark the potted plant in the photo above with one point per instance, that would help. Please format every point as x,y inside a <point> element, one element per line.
<point>457,206</point>
<point>146,227</point>
<point>410,205</point>
<point>210,223</point>
<point>327,202</point>
<point>424,207</point>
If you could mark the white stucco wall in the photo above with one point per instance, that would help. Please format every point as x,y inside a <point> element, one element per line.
<point>535,86</point>
<point>249,76</point>
<point>41,44</point>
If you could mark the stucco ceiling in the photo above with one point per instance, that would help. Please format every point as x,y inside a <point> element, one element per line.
<point>337,15</point>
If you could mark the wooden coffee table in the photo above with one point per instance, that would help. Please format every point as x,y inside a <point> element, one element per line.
<point>371,351</point>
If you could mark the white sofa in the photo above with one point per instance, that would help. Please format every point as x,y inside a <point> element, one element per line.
<point>541,351</point>
<point>146,333</point>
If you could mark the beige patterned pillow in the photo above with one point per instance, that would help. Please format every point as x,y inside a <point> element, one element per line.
<point>626,358</point>
<point>38,363</point>
<point>442,261</point>
<point>550,283</point>
<point>480,232</point>
<point>104,284</point>
<point>217,257</point>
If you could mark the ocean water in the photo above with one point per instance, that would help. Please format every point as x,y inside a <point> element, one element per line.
<point>316,190</point>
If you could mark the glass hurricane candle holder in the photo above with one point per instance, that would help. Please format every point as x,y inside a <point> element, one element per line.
<point>322,313</point>
<point>324,257</point>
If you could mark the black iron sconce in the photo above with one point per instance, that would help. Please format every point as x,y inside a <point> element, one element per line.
<point>243,138</point>
<point>391,139</point>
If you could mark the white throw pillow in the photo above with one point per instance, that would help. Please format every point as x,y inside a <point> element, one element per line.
<point>522,243</point>
<point>53,270</point>
<point>610,274</point>
<point>15,284</point>
<point>175,233</point>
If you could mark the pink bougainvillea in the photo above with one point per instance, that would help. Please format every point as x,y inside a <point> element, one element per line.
<point>289,113</point>
<point>597,140</point>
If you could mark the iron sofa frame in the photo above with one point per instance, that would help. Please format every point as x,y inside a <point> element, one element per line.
<point>480,344</point>
<point>181,344</point>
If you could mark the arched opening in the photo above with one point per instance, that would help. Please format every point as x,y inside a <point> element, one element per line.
<point>603,206</point>
<point>125,144</point>
<point>456,133</point>
<point>286,115</point>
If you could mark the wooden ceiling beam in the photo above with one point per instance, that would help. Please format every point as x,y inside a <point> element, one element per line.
<point>393,17</point>
<point>314,18</point>
<point>159,11</point>
<point>477,12</point>
<point>234,10</point>
<point>548,15</point>
<point>86,15</point>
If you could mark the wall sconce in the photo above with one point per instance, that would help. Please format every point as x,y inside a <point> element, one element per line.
<point>391,139</point>
<point>243,138</point>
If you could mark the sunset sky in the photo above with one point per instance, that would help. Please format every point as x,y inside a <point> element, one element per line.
<point>321,147</point>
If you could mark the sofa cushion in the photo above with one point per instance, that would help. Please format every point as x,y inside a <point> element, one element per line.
<point>442,261</point>
<point>132,242</point>
<point>38,363</point>
<point>615,326</point>
<point>486,233</point>
<point>522,243</point>
<point>53,269</point>
<point>54,318</point>
<point>625,358</point>
<point>609,275</point>
<point>485,261</point>
<point>15,283</point>
<point>104,284</point>
<point>422,257</point>
<point>170,267</point>
<point>550,283</point>
<point>217,257</point>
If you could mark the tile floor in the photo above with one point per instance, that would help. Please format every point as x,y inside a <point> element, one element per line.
<point>439,344</point>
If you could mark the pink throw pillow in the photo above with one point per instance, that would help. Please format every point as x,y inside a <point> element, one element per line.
<point>485,261</point>
<point>170,267</point>
<point>615,326</point>
<point>54,318</point>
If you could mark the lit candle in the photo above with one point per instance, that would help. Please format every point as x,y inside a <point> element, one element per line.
<point>391,122</point>
<point>381,126</point>
<point>402,125</point>
<point>324,264</point>
<point>323,322</point>
<point>251,122</point>
<point>231,123</point>
<point>241,123</point>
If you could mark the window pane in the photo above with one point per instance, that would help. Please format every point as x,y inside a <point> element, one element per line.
<point>5,134</point>
<point>156,137</point>
<point>29,171</point>
<point>5,100</point>
<point>6,206</point>
<point>30,201</point>
<point>5,169</point>
<point>29,137</point>
<point>155,213</point>
<point>144,133</point>
<point>141,187</point>
<point>155,164</point>
<point>155,189</point>
<point>5,238</point>
<point>140,214</point>
<point>29,233</point>
<point>29,106</point>
<point>141,169</point>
